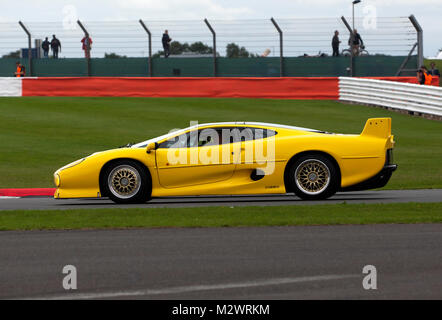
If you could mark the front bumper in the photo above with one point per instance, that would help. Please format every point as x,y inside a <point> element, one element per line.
<point>378,181</point>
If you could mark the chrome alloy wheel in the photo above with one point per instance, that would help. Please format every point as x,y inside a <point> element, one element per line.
<point>312,176</point>
<point>124,181</point>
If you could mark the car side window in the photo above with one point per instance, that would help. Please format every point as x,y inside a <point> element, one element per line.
<point>250,133</point>
<point>216,136</point>
<point>260,133</point>
<point>200,138</point>
<point>242,134</point>
<point>209,137</point>
<point>224,135</point>
<point>180,141</point>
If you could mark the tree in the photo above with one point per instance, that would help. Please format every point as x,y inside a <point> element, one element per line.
<point>235,51</point>
<point>113,55</point>
<point>13,54</point>
<point>200,48</point>
<point>177,48</point>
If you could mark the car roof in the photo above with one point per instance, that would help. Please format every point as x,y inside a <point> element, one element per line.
<point>218,124</point>
<point>255,124</point>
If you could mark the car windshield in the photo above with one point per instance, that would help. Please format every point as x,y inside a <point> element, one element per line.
<point>165,136</point>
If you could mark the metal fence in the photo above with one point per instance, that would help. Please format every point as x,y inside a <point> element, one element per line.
<point>403,96</point>
<point>278,38</point>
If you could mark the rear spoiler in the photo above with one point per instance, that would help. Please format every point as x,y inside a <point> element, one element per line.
<point>377,128</point>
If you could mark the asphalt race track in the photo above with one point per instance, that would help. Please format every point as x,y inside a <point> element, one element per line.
<point>321,262</point>
<point>304,262</point>
<point>383,196</point>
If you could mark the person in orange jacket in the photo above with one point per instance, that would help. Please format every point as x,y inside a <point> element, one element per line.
<point>20,71</point>
<point>424,77</point>
<point>428,76</point>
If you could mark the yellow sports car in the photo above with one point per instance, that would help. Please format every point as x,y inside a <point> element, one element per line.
<point>235,158</point>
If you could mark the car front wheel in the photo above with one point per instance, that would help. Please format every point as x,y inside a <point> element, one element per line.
<point>127,182</point>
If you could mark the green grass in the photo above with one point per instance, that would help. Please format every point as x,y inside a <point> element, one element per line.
<point>223,216</point>
<point>40,134</point>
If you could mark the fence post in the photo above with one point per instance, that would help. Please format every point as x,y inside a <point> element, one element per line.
<point>281,53</point>
<point>150,45</point>
<point>352,59</point>
<point>404,63</point>
<point>29,46</point>
<point>214,46</point>
<point>420,40</point>
<point>88,48</point>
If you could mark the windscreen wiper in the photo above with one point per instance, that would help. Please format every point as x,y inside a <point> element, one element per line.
<point>130,144</point>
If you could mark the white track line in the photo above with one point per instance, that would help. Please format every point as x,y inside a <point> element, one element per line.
<point>5,197</point>
<point>195,288</point>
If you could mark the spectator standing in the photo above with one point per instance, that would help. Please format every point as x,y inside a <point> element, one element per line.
<point>20,71</point>
<point>434,71</point>
<point>87,46</point>
<point>428,76</point>
<point>420,77</point>
<point>45,47</point>
<point>166,43</point>
<point>55,46</point>
<point>355,42</point>
<point>424,77</point>
<point>335,44</point>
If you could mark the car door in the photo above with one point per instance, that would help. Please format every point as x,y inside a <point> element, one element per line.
<point>194,158</point>
<point>257,149</point>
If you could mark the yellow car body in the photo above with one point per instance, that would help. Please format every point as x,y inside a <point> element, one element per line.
<point>351,162</point>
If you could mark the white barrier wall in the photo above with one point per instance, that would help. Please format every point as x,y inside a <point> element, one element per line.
<point>398,95</point>
<point>10,87</point>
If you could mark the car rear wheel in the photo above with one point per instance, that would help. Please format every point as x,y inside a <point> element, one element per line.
<point>314,177</point>
<point>127,182</point>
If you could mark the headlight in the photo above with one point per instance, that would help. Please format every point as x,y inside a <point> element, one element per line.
<point>57,180</point>
<point>72,164</point>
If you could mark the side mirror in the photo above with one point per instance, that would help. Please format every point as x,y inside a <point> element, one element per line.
<point>151,146</point>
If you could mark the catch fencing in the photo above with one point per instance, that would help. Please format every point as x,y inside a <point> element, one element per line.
<point>397,40</point>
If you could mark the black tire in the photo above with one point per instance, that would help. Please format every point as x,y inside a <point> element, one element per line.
<point>126,181</point>
<point>314,177</point>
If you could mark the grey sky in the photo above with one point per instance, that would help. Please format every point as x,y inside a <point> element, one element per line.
<point>428,12</point>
